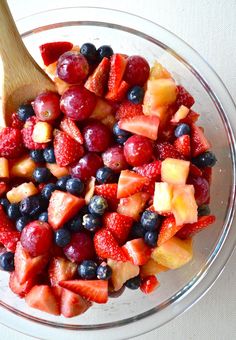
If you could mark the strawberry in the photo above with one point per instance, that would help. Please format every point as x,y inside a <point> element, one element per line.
<point>109,192</point>
<point>149,284</point>
<point>146,126</point>
<point>149,188</point>
<point>20,289</point>
<point>106,246</point>
<point>207,174</point>
<point>73,304</point>
<point>3,188</point>
<point>167,150</point>
<point>137,251</point>
<point>27,133</point>
<point>62,207</point>
<point>129,183</point>
<point>91,290</point>
<point>16,122</point>
<point>191,118</point>
<point>97,82</point>
<point>119,95</point>
<point>9,239</point>
<point>67,150</point>
<point>184,97</point>
<point>68,126</point>
<point>199,143</point>
<point>121,272</point>
<point>61,269</point>
<point>182,145</point>
<point>167,230</point>
<point>194,170</point>
<point>42,297</point>
<point>133,205</point>
<point>11,145</point>
<point>119,225</point>
<point>151,170</point>
<point>117,69</point>
<point>128,110</point>
<point>5,223</point>
<point>50,52</point>
<point>191,229</point>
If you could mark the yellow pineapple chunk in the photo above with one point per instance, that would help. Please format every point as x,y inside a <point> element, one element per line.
<point>51,69</point>
<point>42,132</point>
<point>180,114</point>
<point>17,194</point>
<point>4,168</point>
<point>163,197</point>
<point>23,167</point>
<point>158,72</point>
<point>152,268</point>
<point>56,170</point>
<point>163,90</point>
<point>121,272</point>
<point>174,171</point>
<point>61,85</point>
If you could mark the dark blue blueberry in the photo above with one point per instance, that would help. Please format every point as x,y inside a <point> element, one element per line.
<point>206,159</point>
<point>204,210</point>
<point>4,203</point>
<point>91,222</point>
<point>133,283</point>
<point>13,211</point>
<point>97,205</point>
<point>121,140</point>
<point>61,183</point>
<point>62,237</point>
<point>75,225</point>
<point>104,272</point>
<point>104,51</point>
<point>74,186</point>
<point>7,261</point>
<point>25,111</point>
<point>119,132</point>
<point>48,190</point>
<point>89,51</point>
<point>21,223</point>
<point>41,175</point>
<point>37,156</point>
<point>105,175</point>
<point>43,217</point>
<point>137,231</point>
<point>150,220</point>
<point>49,155</point>
<point>87,269</point>
<point>182,129</point>
<point>135,95</point>
<point>150,238</point>
<point>30,206</point>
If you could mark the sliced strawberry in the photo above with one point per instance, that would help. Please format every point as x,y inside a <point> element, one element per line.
<point>9,239</point>
<point>117,69</point>
<point>137,251</point>
<point>3,188</point>
<point>91,290</point>
<point>146,126</point>
<point>128,110</point>
<point>97,82</point>
<point>73,304</point>
<point>119,225</point>
<point>191,118</point>
<point>191,229</point>
<point>149,284</point>
<point>129,183</point>
<point>166,150</point>
<point>184,97</point>
<point>61,269</point>
<point>150,187</point>
<point>109,192</point>
<point>68,126</point>
<point>50,52</point>
<point>5,223</point>
<point>151,170</point>
<point>182,145</point>
<point>16,122</point>
<point>133,205</point>
<point>167,230</point>
<point>118,95</point>
<point>194,170</point>
<point>20,289</point>
<point>106,246</point>
<point>42,298</point>
<point>199,143</point>
<point>62,207</point>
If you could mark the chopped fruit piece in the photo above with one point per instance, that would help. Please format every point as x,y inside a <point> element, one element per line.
<point>73,304</point>
<point>97,136</point>
<point>68,126</point>
<point>101,110</point>
<point>138,150</point>
<point>184,97</point>
<point>119,225</point>
<point>163,194</point>
<point>174,253</point>
<point>91,290</point>
<point>191,118</point>
<point>129,183</point>
<point>158,72</point>
<point>6,223</point>
<point>151,268</point>
<point>56,170</point>
<point>114,158</point>
<point>3,188</point>
<point>151,170</point>
<point>72,67</point>
<point>89,190</point>
<point>42,298</point>
<point>80,248</point>
<point>207,174</point>
<point>87,166</point>
<point>180,114</point>
<point>149,284</point>
<point>137,70</point>
<point>27,133</point>
<point>162,91</point>
<point>189,230</point>
<point>128,110</point>
<point>11,145</point>
<point>61,269</point>
<point>109,192</point>
<point>199,143</point>
<point>47,106</point>
<point>117,69</point>
<point>133,205</point>
<point>16,122</point>
<point>201,189</point>
<point>122,272</point>
<point>137,251</point>
<point>24,190</point>
<point>42,132</point>
<point>9,239</point>
<point>62,207</point>
<point>168,229</point>
<point>4,167</point>
<point>23,167</point>
<point>146,126</point>
<point>20,289</point>
<point>182,145</point>
<point>50,52</point>
<point>120,94</point>
<point>194,170</point>
<point>167,150</point>
<point>97,82</point>
<point>174,171</point>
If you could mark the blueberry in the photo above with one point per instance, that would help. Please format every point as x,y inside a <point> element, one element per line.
<point>104,51</point>
<point>121,140</point>
<point>150,220</point>
<point>119,132</point>
<point>182,129</point>
<point>7,261</point>
<point>30,206</point>
<point>61,183</point>
<point>104,272</point>
<point>41,175</point>
<point>135,95</point>
<point>37,156</point>
<point>150,238</point>
<point>89,51</point>
<point>4,203</point>
<point>21,223</point>
<point>25,111</point>
<point>13,211</point>
<point>49,155</point>
<point>97,205</point>
<point>137,231</point>
<point>133,283</point>
<point>75,224</point>
<point>43,217</point>
<point>91,222</point>
<point>48,190</point>
<point>206,159</point>
<point>105,175</point>
<point>87,269</point>
<point>74,186</point>
<point>62,237</point>
<point>204,210</point>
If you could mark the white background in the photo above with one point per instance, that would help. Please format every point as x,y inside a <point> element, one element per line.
<point>209,26</point>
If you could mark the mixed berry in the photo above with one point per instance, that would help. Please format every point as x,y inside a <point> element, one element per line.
<point>103,184</point>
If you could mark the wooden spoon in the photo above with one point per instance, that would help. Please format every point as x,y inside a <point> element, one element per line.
<point>23,79</point>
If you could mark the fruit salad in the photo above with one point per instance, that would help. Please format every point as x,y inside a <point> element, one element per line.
<point>103,184</point>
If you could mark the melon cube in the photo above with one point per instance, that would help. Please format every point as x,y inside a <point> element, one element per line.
<point>121,272</point>
<point>152,268</point>
<point>4,168</point>
<point>42,132</point>
<point>180,114</point>
<point>174,171</point>
<point>23,167</point>
<point>56,170</point>
<point>17,194</point>
<point>163,197</point>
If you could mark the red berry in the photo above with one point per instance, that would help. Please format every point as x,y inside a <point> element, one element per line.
<point>166,150</point>
<point>129,110</point>
<point>78,103</point>
<point>87,166</point>
<point>97,136</point>
<point>137,70</point>
<point>149,284</point>
<point>72,67</point>
<point>47,106</point>
<point>37,238</point>
<point>184,97</point>
<point>138,150</point>
<point>201,188</point>
<point>16,122</point>
<point>27,133</point>
<point>80,248</point>
<point>11,145</point>
<point>50,52</point>
<point>114,158</point>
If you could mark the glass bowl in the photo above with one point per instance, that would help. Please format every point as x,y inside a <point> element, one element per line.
<point>134,313</point>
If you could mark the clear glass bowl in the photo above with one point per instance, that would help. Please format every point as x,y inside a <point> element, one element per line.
<point>134,313</point>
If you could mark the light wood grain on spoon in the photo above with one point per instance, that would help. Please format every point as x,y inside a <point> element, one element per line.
<point>22,79</point>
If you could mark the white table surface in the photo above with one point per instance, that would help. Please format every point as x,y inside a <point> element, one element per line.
<point>204,24</point>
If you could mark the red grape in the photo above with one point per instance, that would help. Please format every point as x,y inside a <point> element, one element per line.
<point>72,67</point>
<point>47,106</point>
<point>97,136</point>
<point>80,248</point>
<point>114,158</point>
<point>138,150</point>
<point>87,166</point>
<point>137,70</point>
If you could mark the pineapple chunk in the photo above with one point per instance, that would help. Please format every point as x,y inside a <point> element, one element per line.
<point>42,132</point>
<point>164,91</point>
<point>61,85</point>
<point>56,170</point>
<point>174,171</point>
<point>163,197</point>
<point>152,268</point>
<point>180,114</point>
<point>17,194</point>
<point>174,253</point>
<point>4,168</point>
<point>121,272</point>
<point>23,167</point>
<point>158,72</point>
<point>101,110</point>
